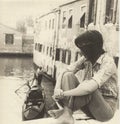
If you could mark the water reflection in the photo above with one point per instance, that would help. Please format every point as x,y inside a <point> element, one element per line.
<point>21,67</point>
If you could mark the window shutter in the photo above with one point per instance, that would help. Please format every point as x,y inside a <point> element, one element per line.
<point>57,56</point>
<point>115,11</point>
<point>69,57</point>
<point>95,10</point>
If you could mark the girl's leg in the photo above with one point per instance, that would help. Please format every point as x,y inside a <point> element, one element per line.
<point>96,104</point>
<point>70,81</point>
<point>101,108</point>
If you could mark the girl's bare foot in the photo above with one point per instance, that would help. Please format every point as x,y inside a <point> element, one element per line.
<point>66,117</point>
<point>56,113</point>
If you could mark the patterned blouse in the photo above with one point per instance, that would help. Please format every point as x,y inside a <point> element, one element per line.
<point>103,72</point>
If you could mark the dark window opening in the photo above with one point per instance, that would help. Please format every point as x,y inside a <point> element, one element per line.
<point>57,56</point>
<point>91,10</point>
<point>109,11</point>
<point>9,38</point>
<point>70,22</point>
<point>63,56</point>
<point>82,21</point>
<point>40,47</point>
<point>68,57</point>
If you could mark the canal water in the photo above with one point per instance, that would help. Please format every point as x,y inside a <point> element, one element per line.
<point>20,67</point>
<point>14,72</point>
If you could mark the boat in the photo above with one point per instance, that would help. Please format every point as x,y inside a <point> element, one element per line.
<point>34,104</point>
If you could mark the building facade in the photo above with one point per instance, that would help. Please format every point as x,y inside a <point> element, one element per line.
<point>55,32</point>
<point>14,42</point>
<point>10,40</point>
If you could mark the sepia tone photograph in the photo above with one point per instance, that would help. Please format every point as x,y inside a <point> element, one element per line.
<point>59,62</point>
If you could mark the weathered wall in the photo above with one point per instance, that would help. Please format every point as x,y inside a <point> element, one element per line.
<point>11,48</point>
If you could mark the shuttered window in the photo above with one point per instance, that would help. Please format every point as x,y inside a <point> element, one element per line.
<point>111,11</point>
<point>39,47</point>
<point>63,55</point>
<point>92,11</point>
<point>82,16</point>
<point>82,21</point>
<point>68,57</point>
<point>70,20</point>
<point>57,56</point>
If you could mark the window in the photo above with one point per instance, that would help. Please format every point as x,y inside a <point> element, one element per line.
<point>91,10</point>
<point>9,38</point>
<point>64,20</point>
<point>82,21</point>
<point>68,57</point>
<point>57,57</point>
<point>70,20</point>
<point>40,47</point>
<point>109,11</point>
<point>63,55</point>
<point>82,16</point>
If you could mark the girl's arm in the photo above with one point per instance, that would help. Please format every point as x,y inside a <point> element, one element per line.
<point>86,87</point>
<point>73,68</point>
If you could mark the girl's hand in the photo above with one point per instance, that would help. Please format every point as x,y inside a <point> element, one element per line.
<point>58,94</point>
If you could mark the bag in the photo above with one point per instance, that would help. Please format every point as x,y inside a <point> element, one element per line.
<point>34,105</point>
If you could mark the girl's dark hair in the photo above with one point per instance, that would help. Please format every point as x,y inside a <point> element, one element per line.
<point>90,43</point>
<point>91,37</point>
